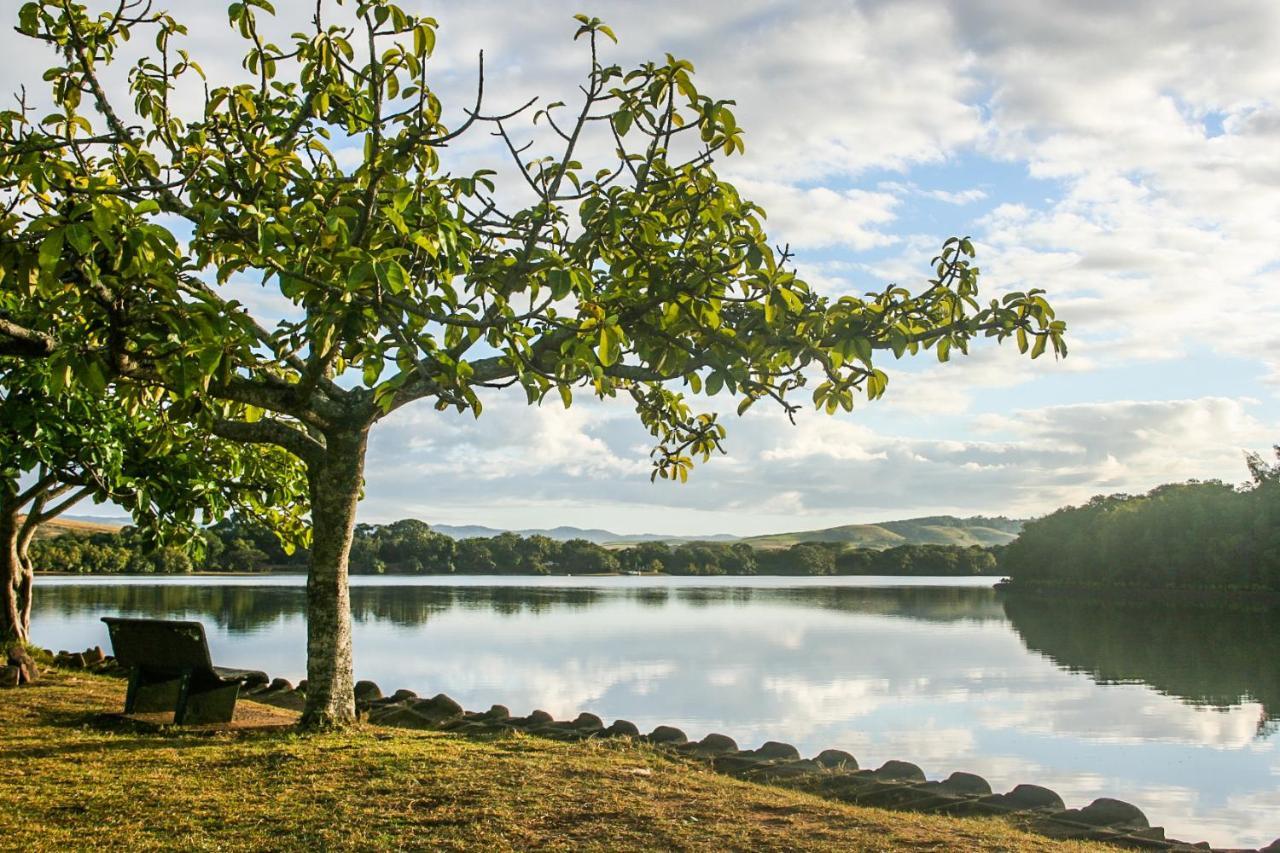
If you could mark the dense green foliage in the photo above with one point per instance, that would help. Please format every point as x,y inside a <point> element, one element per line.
<point>412,547</point>
<point>1196,534</point>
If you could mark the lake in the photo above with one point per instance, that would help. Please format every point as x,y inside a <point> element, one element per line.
<point>1175,709</point>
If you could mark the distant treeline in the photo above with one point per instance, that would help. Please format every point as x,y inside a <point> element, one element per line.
<point>412,547</point>
<point>1196,534</point>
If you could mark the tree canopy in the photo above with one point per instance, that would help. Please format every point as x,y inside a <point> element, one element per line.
<point>1195,534</point>
<point>617,263</point>
<point>60,444</point>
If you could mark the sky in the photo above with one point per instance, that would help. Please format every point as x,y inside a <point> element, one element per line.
<point>1120,156</point>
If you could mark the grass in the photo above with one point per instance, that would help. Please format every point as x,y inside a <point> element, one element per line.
<point>71,780</point>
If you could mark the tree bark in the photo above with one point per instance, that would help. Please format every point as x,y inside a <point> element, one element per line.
<point>12,625</point>
<point>335,480</point>
<point>26,577</point>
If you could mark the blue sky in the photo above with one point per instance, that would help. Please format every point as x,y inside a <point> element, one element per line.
<point>1121,156</point>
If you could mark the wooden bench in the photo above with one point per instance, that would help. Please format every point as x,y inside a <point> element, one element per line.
<point>170,670</point>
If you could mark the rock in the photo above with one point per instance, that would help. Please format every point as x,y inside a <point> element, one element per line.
<point>366,691</point>
<point>497,712</point>
<point>302,686</point>
<point>622,728</point>
<point>280,684</point>
<point>538,718</point>
<point>717,744</point>
<point>9,676</point>
<point>256,679</point>
<point>26,664</point>
<point>772,750</point>
<point>438,708</point>
<point>1033,797</point>
<point>588,722</point>
<point>836,759</point>
<point>402,694</point>
<point>966,783</point>
<point>401,716</point>
<point>1108,812</point>
<point>667,734</point>
<point>1273,847</point>
<point>786,770</point>
<point>736,763</point>
<point>69,660</point>
<point>899,771</point>
<point>93,656</point>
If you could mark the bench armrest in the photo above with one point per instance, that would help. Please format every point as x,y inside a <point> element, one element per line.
<point>228,674</point>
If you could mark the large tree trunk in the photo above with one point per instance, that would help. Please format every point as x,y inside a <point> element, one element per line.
<point>26,579</point>
<point>335,481</point>
<point>13,628</point>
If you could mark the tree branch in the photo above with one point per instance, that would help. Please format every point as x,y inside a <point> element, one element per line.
<point>281,435</point>
<point>23,342</point>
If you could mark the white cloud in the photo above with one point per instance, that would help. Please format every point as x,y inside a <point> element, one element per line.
<point>822,218</point>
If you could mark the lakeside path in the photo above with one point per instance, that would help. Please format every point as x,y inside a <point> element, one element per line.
<point>72,780</point>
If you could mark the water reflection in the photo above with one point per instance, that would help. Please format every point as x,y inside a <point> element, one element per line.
<point>1158,706</point>
<point>1202,655</point>
<point>240,608</point>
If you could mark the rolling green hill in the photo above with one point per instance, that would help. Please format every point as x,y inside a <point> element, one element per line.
<point>931,530</point>
<point>81,527</point>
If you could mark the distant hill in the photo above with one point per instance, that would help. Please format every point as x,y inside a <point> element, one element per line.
<point>562,534</point>
<point>79,526</point>
<point>930,530</point>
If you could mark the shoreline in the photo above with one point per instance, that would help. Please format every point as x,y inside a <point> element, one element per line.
<point>833,775</point>
<point>640,575</point>
<point>97,780</point>
<point>1198,596</point>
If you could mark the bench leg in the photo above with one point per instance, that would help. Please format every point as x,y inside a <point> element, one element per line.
<point>209,705</point>
<point>149,695</point>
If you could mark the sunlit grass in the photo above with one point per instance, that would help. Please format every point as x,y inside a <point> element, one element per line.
<point>71,781</point>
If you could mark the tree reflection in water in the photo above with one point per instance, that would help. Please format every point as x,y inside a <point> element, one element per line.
<point>1209,656</point>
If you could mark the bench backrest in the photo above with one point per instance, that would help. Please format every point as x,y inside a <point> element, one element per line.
<point>159,644</point>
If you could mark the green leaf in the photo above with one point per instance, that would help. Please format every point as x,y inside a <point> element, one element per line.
<point>50,250</point>
<point>609,346</point>
<point>622,121</point>
<point>394,276</point>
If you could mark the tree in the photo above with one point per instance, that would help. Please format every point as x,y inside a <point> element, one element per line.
<point>58,447</point>
<point>1262,472</point>
<point>639,273</point>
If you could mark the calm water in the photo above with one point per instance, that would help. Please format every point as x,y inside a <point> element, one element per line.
<point>1176,710</point>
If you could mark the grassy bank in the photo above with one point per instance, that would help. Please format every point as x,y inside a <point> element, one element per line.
<point>69,779</point>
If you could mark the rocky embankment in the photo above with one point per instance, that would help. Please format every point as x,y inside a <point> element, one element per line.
<point>832,773</point>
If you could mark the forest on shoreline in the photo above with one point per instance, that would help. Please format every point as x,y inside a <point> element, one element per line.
<point>1202,535</point>
<point>411,547</point>
<point>1193,535</point>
